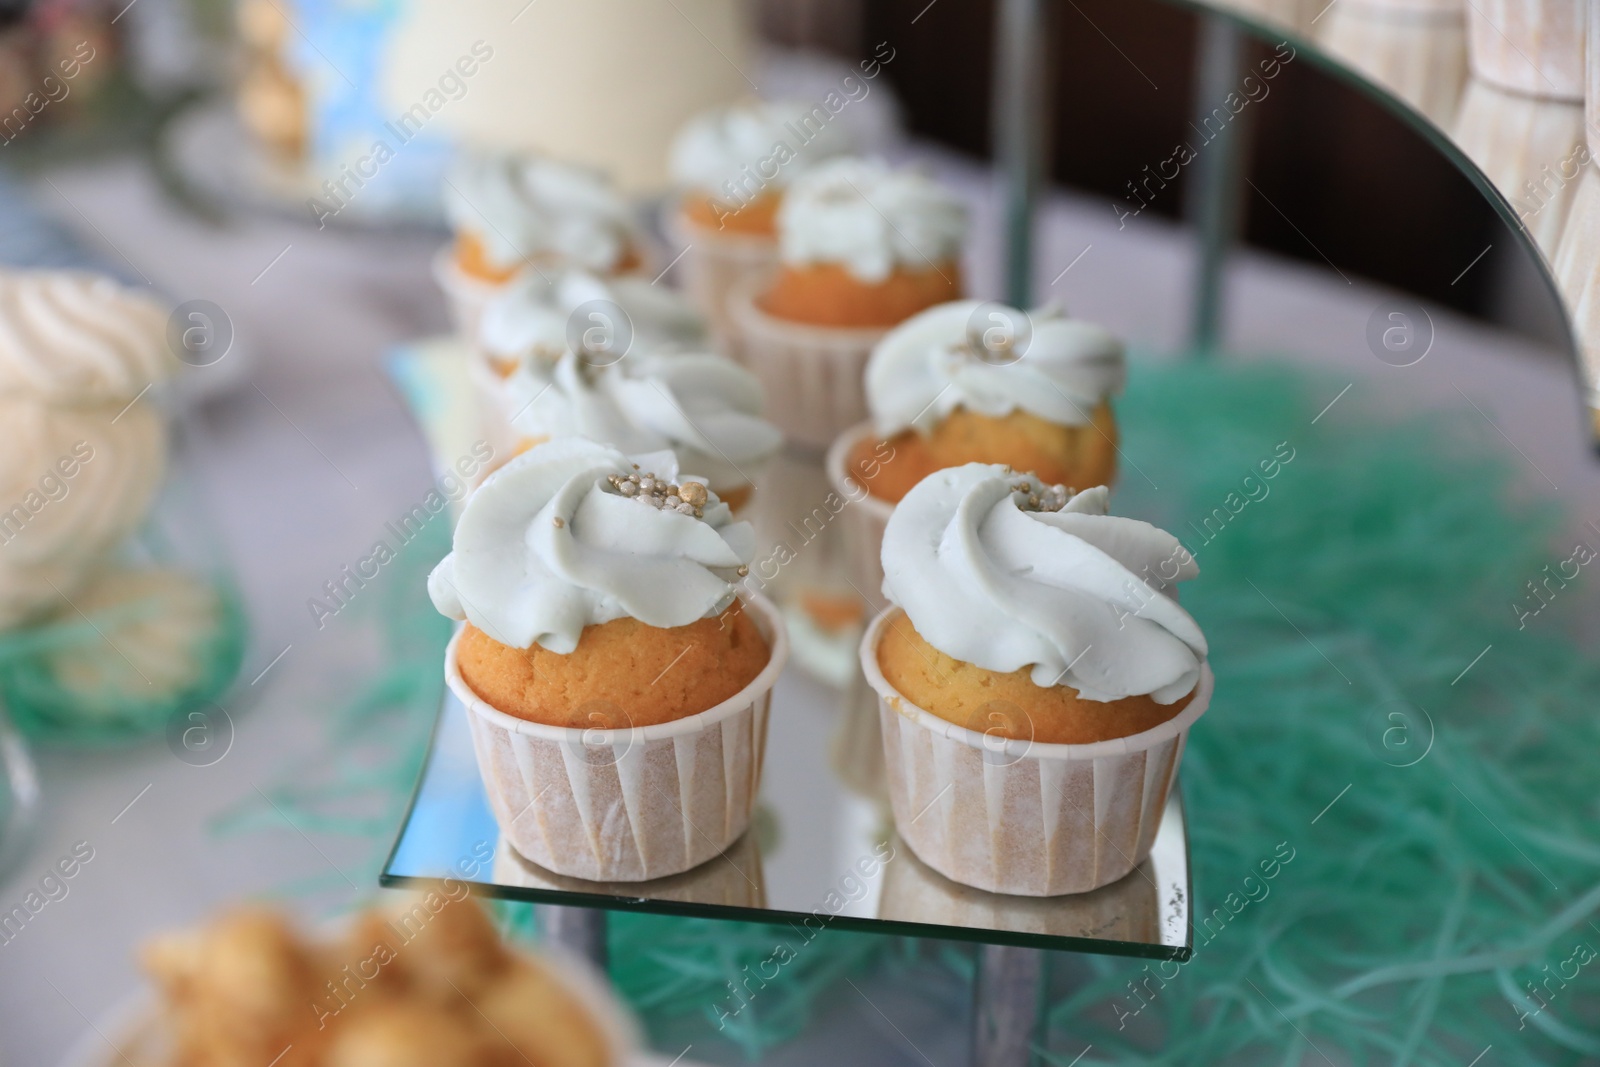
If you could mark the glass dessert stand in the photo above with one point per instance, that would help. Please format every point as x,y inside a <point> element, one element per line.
<point>821,853</point>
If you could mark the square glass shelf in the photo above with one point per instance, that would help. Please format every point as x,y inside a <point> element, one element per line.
<point>819,850</point>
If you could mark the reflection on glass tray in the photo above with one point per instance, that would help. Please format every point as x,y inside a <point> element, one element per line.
<point>818,855</point>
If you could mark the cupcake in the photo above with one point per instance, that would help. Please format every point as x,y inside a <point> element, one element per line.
<point>733,165</point>
<point>541,314</point>
<point>512,212</point>
<point>1036,680</point>
<point>1577,260</point>
<point>1533,47</point>
<point>971,382</point>
<point>702,408</point>
<point>616,685</point>
<point>862,248</point>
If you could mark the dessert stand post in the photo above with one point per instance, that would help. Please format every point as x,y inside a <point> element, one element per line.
<point>1214,204</point>
<point>1005,994</point>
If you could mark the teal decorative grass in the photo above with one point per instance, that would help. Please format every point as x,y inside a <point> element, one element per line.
<point>1413,770</point>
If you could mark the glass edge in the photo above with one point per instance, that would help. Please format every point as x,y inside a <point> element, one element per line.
<point>791,919</point>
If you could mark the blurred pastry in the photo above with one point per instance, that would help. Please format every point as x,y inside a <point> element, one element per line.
<point>540,315</point>
<point>862,247</point>
<point>87,444</point>
<point>517,212</point>
<point>732,165</point>
<point>1036,680</point>
<point>601,610</point>
<point>423,982</point>
<point>703,408</point>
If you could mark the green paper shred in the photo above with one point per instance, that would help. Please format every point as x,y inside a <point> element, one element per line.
<point>1421,902</point>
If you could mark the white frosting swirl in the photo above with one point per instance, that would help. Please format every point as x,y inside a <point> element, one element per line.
<point>869,218</point>
<point>1083,598</point>
<point>524,207</point>
<point>535,314</point>
<point>778,140</point>
<point>930,365</point>
<point>71,337</point>
<point>703,408</point>
<point>546,547</point>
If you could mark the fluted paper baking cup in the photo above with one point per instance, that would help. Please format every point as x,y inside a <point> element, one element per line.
<point>466,295</point>
<point>1533,151</point>
<point>1409,47</point>
<point>812,374</point>
<point>865,517</point>
<point>1529,46</point>
<point>1019,817</point>
<point>627,805</point>
<point>714,264</point>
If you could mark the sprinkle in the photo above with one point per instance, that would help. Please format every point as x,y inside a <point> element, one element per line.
<point>743,571</point>
<point>559,521</point>
<point>687,499</point>
<point>694,494</point>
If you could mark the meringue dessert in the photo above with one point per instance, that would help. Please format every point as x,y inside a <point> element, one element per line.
<point>600,607</point>
<point>509,211</point>
<point>968,382</point>
<point>1036,679</point>
<point>85,454</point>
<point>864,246</point>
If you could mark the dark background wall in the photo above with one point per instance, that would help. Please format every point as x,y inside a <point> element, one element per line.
<point>1334,175</point>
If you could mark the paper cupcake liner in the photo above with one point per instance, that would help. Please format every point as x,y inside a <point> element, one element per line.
<point>626,805</point>
<point>494,416</point>
<point>1410,48</point>
<point>863,520</point>
<point>714,264</point>
<point>1591,93</point>
<point>1449,9</point>
<point>856,749</point>
<point>1532,150</point>
<point>1019,817</point>
<point>812,374</point>
<point>1529,46</point>
<point>466,295</point>
<point>1293,15</point>
<point>1577,270</point>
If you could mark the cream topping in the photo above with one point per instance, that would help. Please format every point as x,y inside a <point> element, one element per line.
<point>556,308</point>
<point>869,218</point>
<point>71,337</point>
<point>992,360</point>
<point>998,570</point>
<point>735,151</point>
<point>526,207</point>
<point>703,408</point>
<point>553,542</point>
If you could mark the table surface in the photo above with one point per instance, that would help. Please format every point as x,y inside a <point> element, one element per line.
<point>306,462</point>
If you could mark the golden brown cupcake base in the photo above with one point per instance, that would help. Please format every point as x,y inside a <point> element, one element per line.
<point>1007,705</point>
<point>472,259</point>
<point>757,218</point>
<point>622,674</point>
<point>1079,457</point>
<point>826,294</point>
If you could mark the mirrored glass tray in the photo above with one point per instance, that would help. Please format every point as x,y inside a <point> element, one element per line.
<point>818,854</point>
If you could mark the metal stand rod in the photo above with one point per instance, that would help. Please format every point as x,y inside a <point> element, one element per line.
<point>579,931</point>
<point>1005,1005</point>
<point>1214,198</point>
<point>1021,102</point>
